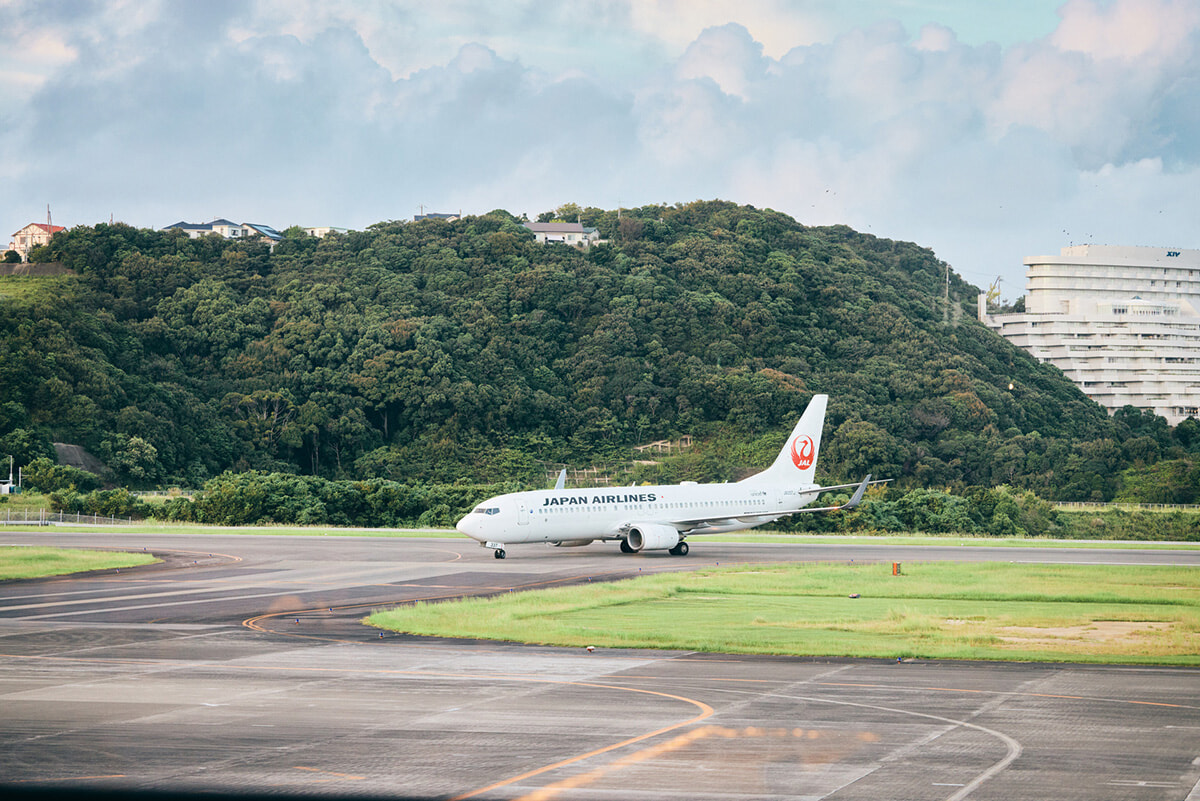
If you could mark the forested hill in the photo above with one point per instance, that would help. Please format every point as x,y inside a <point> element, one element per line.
<point>440,350</point>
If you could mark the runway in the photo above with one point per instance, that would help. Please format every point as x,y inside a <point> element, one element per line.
<point>239,666</point>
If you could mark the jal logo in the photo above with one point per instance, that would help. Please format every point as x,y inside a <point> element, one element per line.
<point>802,452</point>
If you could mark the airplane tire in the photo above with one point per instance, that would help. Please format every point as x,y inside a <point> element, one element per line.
<point>499,554</point>
<point>625,547</point>
<point>679,550</point>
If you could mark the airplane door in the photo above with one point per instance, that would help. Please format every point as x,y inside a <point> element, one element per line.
<point>523,514</point>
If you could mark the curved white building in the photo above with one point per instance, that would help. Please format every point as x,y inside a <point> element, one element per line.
<point>1123,323</point>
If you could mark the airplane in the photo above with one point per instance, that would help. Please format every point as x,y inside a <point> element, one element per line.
<point>662,517</point>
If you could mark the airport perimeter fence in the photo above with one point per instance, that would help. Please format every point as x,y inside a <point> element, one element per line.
<point>1101,506</point>
<point>40,517</point>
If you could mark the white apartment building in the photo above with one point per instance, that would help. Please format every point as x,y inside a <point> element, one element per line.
<point>1123,323</point>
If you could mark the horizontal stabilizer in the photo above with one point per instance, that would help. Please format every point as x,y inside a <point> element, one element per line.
<point>854,501</point>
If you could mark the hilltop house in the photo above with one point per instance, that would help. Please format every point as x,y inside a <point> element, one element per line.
<point>323,230</point>
<point>574,234</point>
<point>227,229</point>
<point>31,236</point>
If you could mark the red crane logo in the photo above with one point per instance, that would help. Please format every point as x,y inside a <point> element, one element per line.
<point>803,451</point>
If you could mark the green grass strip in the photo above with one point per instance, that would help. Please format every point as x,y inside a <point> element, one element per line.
<point>991,611</point>
<point>19,562</point>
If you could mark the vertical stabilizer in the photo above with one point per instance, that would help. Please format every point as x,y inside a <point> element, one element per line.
<point>797,461</point>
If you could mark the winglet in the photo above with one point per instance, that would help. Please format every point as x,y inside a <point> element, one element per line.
<point>856,499</point>
<point>562,480</point>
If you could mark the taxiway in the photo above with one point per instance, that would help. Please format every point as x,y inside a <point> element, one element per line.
<point>239,665</point>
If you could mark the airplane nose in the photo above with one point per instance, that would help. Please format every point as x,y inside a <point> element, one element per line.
<point>468,525</point>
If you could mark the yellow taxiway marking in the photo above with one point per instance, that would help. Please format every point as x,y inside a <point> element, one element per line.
<point>674,744</point>
<point>256,623</point>
<point>705,711</point>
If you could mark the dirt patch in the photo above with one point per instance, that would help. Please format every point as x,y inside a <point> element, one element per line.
<point>76,456</point>
<point>1098,631</point>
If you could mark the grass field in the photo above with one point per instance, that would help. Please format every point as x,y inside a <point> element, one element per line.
<point>995,611</point>
<point>19,562</point>
<point>26,288</point>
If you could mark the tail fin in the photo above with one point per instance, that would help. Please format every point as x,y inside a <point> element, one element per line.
<point>797,462</point>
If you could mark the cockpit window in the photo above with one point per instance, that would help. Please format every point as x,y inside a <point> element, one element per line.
<point>486,510</point>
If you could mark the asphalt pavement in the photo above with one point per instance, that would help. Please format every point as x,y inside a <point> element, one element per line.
<point>239,665</point>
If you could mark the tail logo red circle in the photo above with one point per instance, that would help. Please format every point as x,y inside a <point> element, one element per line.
<point>803,450</point>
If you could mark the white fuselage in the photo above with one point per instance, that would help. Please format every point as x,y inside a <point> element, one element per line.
<point>660,518</point>
<point>581,515</point>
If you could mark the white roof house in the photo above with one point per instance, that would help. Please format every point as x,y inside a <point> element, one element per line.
<point>574,234</point>
<point>324,230</point>
<point>227,229</point>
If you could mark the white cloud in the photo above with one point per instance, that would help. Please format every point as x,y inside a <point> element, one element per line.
<point>1144,31</point>
<point>347,113</point>
<point>28,57</point>
<point>935,39</point>
<point>728,56</point>
<point>777,24</point>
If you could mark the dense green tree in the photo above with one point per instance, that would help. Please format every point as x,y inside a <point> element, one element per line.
<point>132,459</point>
<point>44,474</point>
<point>1174,481</point>
<point>24,446</point>
<point>446,350</point>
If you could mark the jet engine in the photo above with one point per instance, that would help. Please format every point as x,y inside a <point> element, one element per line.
<point>652,537</point>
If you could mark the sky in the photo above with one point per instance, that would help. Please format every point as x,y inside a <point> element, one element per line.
<point>988,132</point>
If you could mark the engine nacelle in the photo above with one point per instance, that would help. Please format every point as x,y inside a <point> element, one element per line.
<point>652,537</point>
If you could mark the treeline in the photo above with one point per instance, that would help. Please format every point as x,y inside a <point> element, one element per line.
<point>254,498</point>
<point>277,498</point>
<point>428,353</point>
